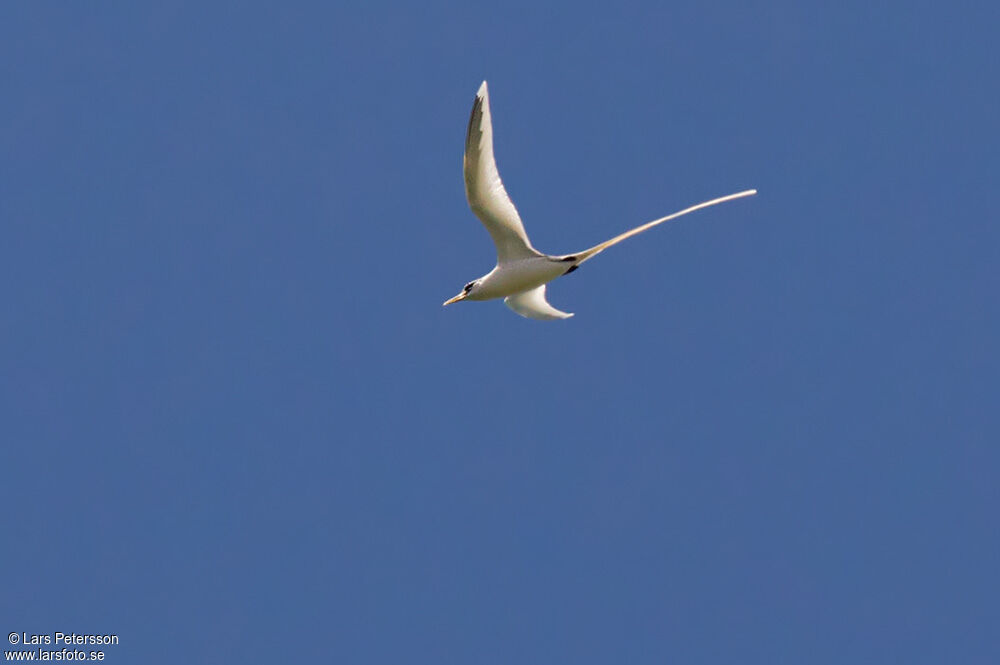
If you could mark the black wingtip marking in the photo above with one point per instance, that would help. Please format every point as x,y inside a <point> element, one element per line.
<point>572,268</point>
<point>477,107</point>
<point>568,258</point>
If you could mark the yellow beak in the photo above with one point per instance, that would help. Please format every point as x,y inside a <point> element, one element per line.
<point>460,296</point>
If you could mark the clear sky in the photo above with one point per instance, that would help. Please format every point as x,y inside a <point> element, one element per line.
<point>238,426</point>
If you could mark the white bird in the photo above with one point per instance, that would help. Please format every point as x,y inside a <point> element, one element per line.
<point>522,271</point>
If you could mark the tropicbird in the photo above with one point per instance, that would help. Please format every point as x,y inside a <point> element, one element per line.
<point>522,272</point>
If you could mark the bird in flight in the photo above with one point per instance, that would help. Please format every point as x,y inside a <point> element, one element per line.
<point>522,271</point>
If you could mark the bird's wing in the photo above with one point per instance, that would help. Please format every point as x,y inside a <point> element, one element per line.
<point>532,304</point>
<point>486,194</point>
<point>597,249</point>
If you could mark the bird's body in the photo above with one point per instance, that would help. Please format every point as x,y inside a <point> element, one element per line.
<point>522,271</point>
<point>517,276</point>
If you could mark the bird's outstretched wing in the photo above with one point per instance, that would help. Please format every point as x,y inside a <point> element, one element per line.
<point>597,249</point>
<point>533,305</point>
<point>486,194</point>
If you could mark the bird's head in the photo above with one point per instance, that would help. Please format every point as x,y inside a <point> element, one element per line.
<point>469,289</point>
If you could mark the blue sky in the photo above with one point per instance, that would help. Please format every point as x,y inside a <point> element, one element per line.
<point>239,427</point>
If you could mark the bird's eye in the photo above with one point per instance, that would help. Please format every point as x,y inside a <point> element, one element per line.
<point>469,286</point>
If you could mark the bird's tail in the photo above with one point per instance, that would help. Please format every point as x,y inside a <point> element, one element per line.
<point>580,257</point>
